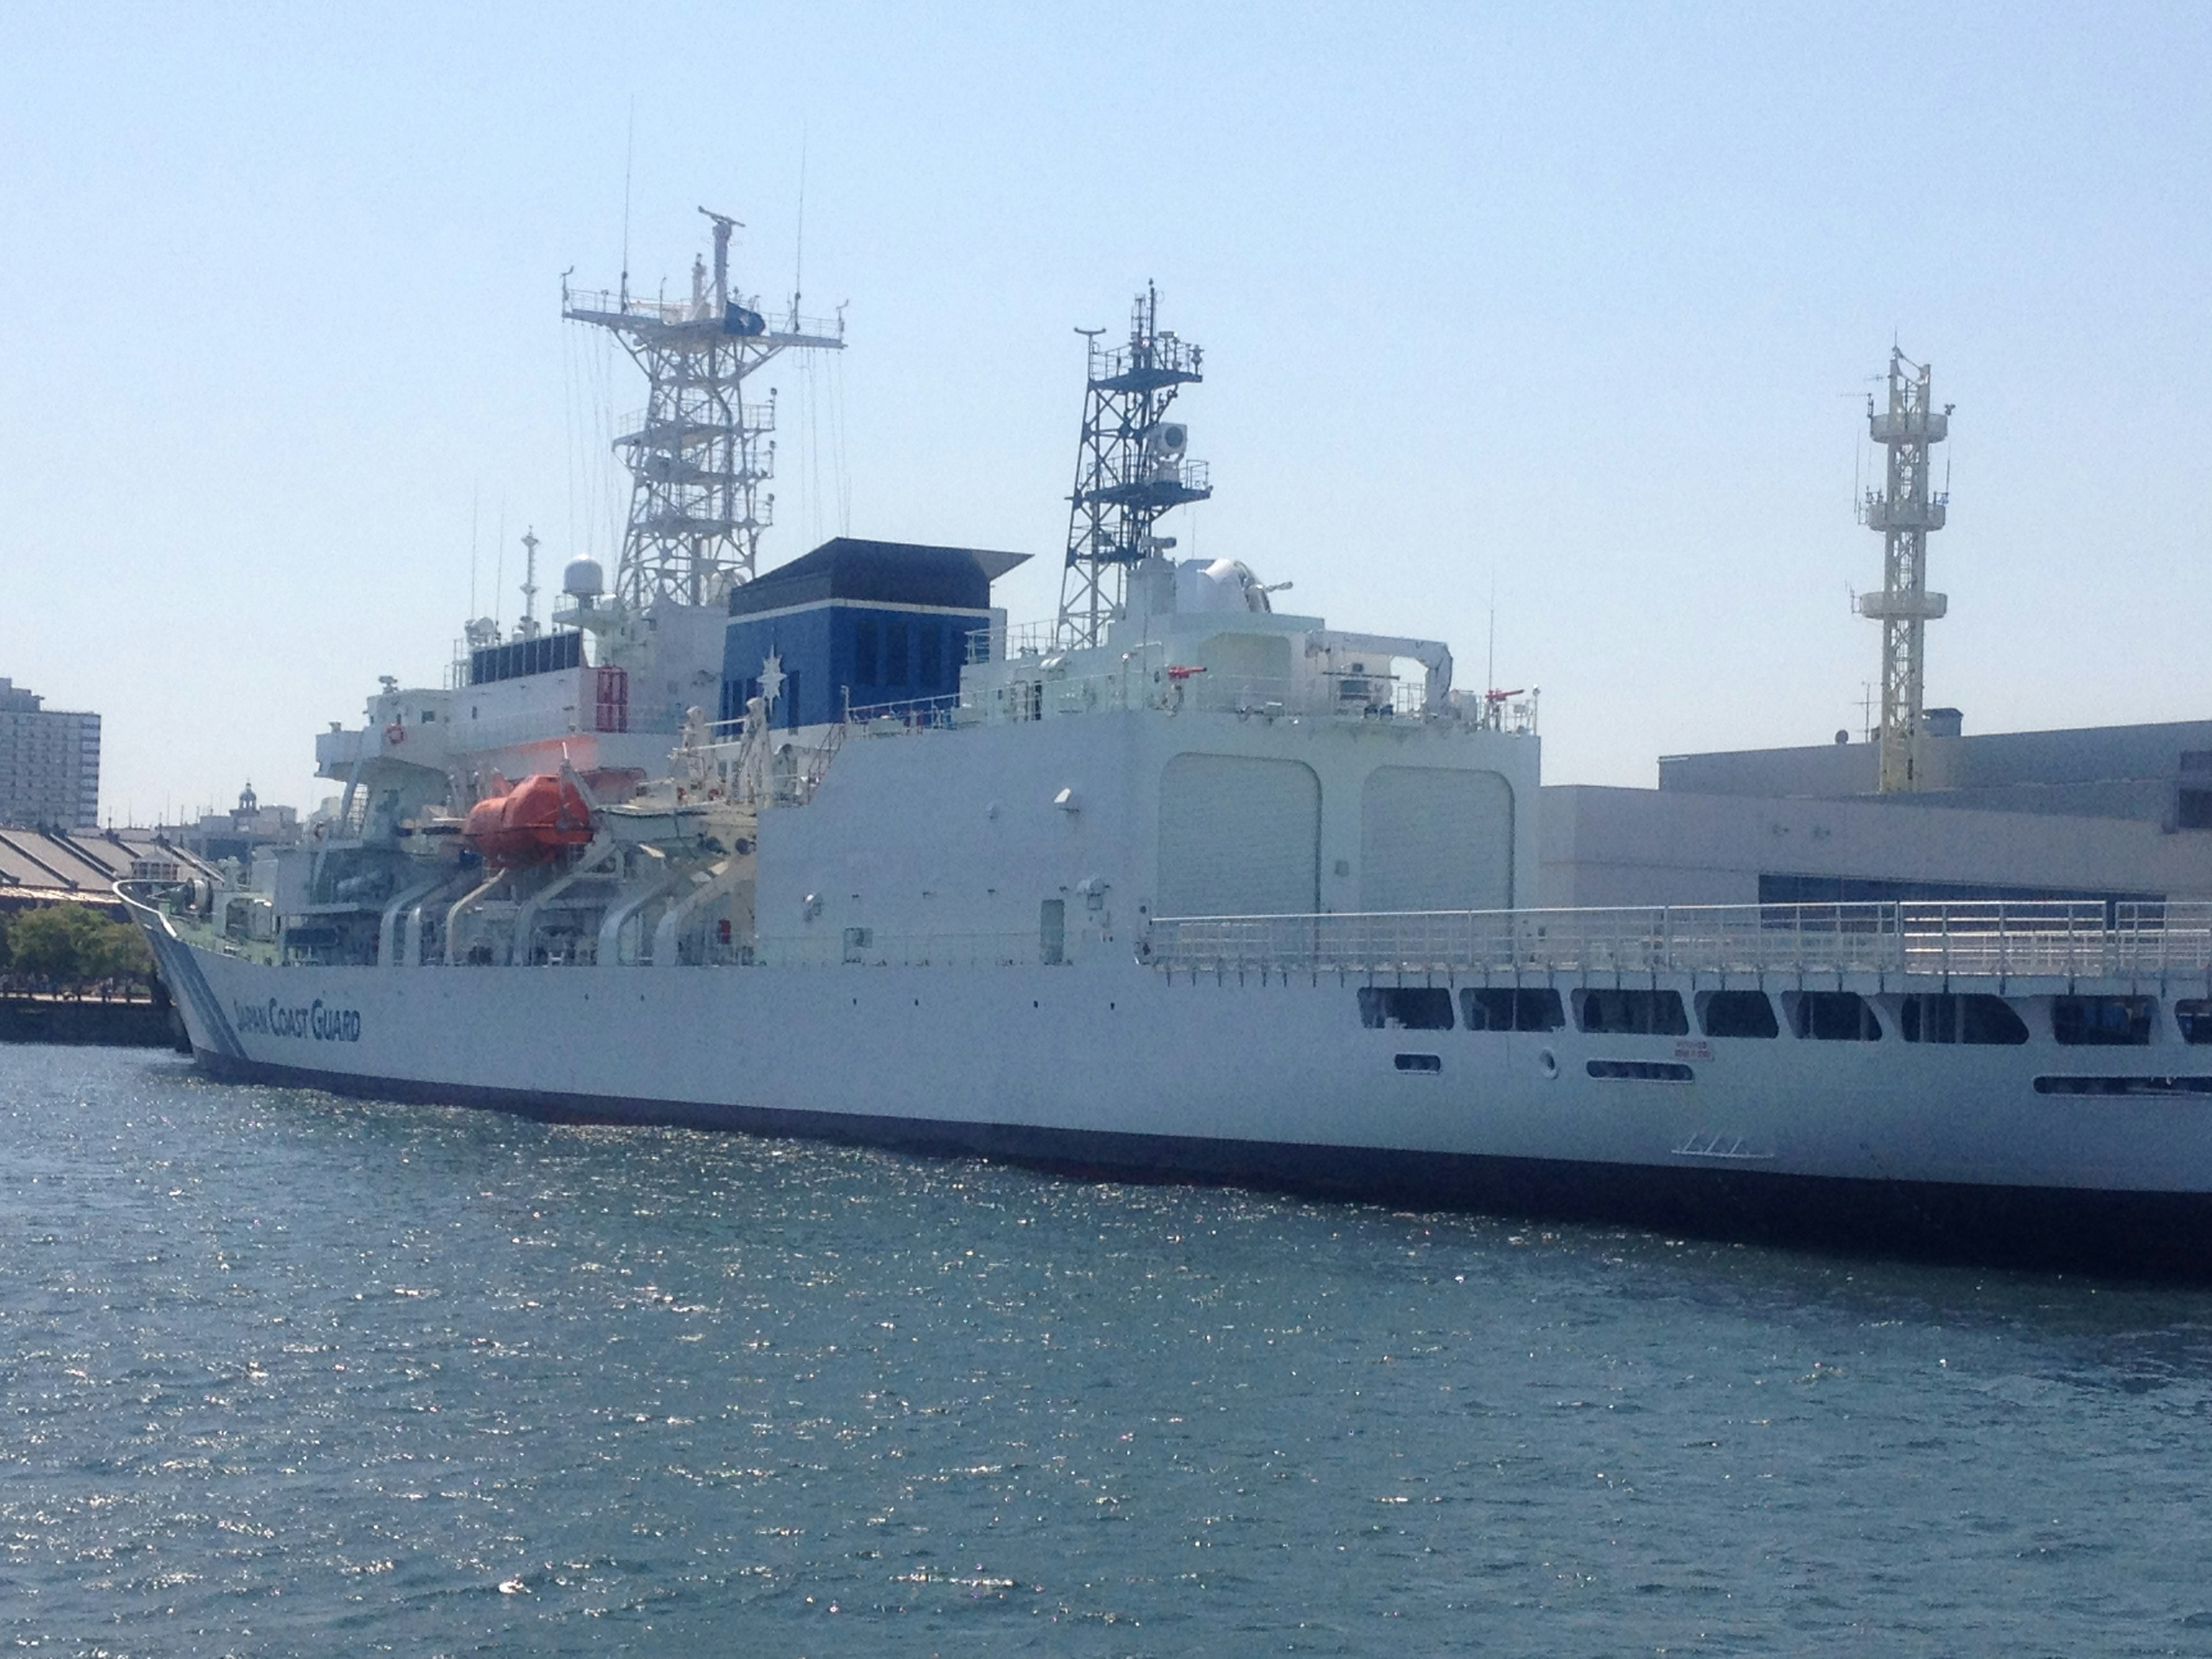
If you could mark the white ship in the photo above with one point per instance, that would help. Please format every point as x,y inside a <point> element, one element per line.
<point>1183,887</point>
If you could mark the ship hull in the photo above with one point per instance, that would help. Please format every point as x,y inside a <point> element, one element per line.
<point>1107,1068</point>
<point>2155,1234</point>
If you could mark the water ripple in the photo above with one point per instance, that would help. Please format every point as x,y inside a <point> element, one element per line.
<point>286,1373</point>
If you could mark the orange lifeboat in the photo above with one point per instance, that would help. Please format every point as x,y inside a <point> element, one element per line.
<point>533,822</point>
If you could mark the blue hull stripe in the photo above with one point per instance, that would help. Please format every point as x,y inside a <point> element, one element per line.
<point>185,980</point>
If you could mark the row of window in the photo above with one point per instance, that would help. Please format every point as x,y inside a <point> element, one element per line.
<point>899,656</point>
<point>546,653</point>
<point>1820,1016</point>
<point>1664,1071</point>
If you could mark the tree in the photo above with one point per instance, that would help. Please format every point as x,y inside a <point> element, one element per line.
<point>70,943</point>
<point>122,952</point>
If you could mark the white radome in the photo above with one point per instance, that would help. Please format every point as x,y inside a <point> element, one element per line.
<point>583,578</point>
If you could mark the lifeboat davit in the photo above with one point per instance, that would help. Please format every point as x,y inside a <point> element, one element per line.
<point>533,822</point>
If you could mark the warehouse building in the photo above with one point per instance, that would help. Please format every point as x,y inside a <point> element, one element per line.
<point>2118,813</point>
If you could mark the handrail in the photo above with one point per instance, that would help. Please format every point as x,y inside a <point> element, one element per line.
<point>142,907</point>
<point>2056,937</point>
<point>912,714</point>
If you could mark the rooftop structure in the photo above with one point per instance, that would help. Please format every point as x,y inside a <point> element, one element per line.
<point>2160,773</point>
<point>48,866</point>
<point>238,833</point>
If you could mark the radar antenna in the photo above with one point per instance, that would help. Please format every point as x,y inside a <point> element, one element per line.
<point>1904,512</point>
<point>1129,468</point>
<point>697,453</point>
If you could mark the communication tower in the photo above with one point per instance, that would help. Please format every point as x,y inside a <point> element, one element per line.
<point>1903,513</point>
<point>697,453</point>
<point>1130,468</point>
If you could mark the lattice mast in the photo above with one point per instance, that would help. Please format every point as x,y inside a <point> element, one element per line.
<point>1904,512</point>
<point>698,453</point>
<point>1130,468</point>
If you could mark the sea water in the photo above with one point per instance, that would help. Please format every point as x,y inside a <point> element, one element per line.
<point>286,1373</point>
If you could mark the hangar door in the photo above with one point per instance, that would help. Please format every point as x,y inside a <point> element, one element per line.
<point>1435,839</point>
<point>1239,836</point>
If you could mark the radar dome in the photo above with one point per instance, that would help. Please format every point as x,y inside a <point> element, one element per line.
<point>1224,584</point>
<point>583,578</point>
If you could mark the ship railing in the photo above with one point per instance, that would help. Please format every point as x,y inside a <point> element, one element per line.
<point>1154,680</point>
<point>169,905</point>
<point>1176,688</point>
<point>1346,696</point>
<point>1027,639</point>
<point>692,422</point>
<point>808,766</point>
<point>612,302</point>
<point>1164,355</point>
<point>2059,939</point>
<point>914,714</point>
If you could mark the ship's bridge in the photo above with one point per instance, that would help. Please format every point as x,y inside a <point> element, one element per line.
<point>858,624</point>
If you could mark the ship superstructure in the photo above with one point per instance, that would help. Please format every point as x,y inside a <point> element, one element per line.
<point>1178,885</point>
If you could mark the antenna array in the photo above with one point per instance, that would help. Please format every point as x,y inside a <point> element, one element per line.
<point>1129,468</point>
<point>1904,512</point>
<point>697,453</point>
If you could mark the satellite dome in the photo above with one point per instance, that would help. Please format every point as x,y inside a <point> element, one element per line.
<point>583,578</point>
<point>1222,585</point>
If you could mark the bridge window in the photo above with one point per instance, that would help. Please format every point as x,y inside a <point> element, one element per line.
<point>2193,1017</point>
<point>1832,1016</point>
<point>1737,1014</point>
<point>2102,1022</point>
<point>1506,1008</point>
<point>895,653</point>
<point>866,669</point>
<point>1976,1019</point>
<point>1405,1007</point>
<point>1635,1013</point>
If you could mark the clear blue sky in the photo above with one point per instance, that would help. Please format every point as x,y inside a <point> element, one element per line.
<point>1582,301</point>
